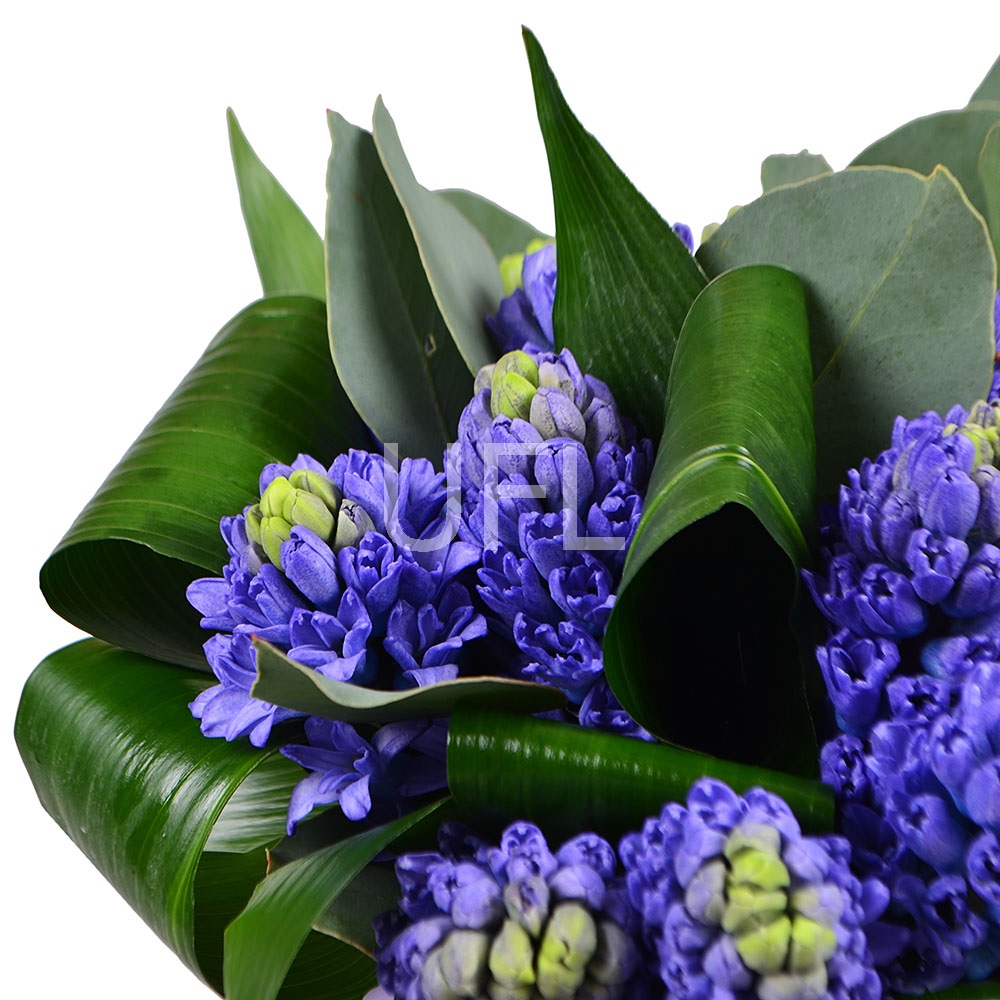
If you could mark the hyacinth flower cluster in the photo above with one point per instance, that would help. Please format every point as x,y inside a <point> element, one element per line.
<point>355,572</point>
<point>722,897</point>
<point>912,667</point>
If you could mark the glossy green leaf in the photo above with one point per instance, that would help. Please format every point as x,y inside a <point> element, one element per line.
<point>118,761</point>
<point>864,242</point>
<point>263,391</point>
<point>568,779</point>
<point>789,168</point>
<point>390,344</point>
<point>626,281</point>
<point>698,647</point>
<point>284,682</point>
<point>262,942</point>
<point>989,177</point>
<point>950,138</point>
<point>286,246</point>
<point>989,89</point>
<point>372,891</point>
<point>505,232</point>
<point>459,264</point>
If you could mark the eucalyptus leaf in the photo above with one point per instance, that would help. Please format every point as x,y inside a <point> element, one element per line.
<point>505,232</point>
<point>626,281</point>
<point>389,342</point>
<point>989,178</point>
<point>117,760</point>
<point>866,242</point>
<point>262,942</point>
<point>568,779</point>
<point>263,391</point>
<point>286,246</point>
<point>989,89</point>
<point>698,648</point>
<point>950,138</point>
<point>284,682</point>
<point>460,266</point>
<point>790,168</point>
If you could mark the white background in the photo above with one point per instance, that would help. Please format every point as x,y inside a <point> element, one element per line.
<point>123,251</point>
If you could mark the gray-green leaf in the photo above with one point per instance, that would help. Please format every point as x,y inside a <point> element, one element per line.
<point>505,232</point>
<point>989,177</point>
<point>789,168</point>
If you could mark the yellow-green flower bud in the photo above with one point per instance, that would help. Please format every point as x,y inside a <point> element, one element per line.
<point>812,944</point>
<point>274,531</point>
<point>318,485</point>
<point>765,948</point>
<point>352,523</point>
<point>511,960</point>
<point>510,272</point>
<point>748,906</point>
<point>272,500</point>
<point>568,945</point>
<point>253,519</point>
<point>514,383</point>
<point>304,499</point>
<point>759,868</point>
<point>463,962</point>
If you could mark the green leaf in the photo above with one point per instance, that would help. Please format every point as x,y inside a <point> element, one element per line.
<point>950,138</point>
<point>263,391</point>
<point>117,760</point>
<point>458,262</point>
<point>284,682</point>
<point>989,89</point>
<point>568,779</point>
<point>372,891</point>
<point>789,168</point>
<point>390,344</point>
<point>989,177</point>
<point>626,281</point>
<point>698,647</point>
<point>286,247</point>
<point>262,942</point>
<point>505,232</point>
<point>864,242</point>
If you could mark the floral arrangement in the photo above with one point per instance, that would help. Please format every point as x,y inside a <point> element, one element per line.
<point>594,616</point>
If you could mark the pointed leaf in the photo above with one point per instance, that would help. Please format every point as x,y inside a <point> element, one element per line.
<point>626,281</point>
<point>950,138</point>
<point>864,242</point>
<point>262,942</point>
<point>989,177</point>
<point>989,89</point>
<point>391,346</point>
<point>120,764</point>
<point>789,168</point>
<point>263,391</point>
<point>458,262</point>
<point>505,232</point>
<point>731,490</point>
<point>286,247</point>
<point>569,779</point>
<point>284,682</point>
<point>372,891</point>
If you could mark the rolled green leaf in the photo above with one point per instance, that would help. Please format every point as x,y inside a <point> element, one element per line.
<point>505,232</point>
<point>262,942</point>
<point>626,281</point>
<point>286,247</point>
<point>950,138</point>
<point>263,391</point>
<point>568,779</point>
<point>459,264</point>
<point>785,168</point>
<point>886,341</point>
<point>989,177</point>
<point>698,648</point>
<point>284,682</point>
<point>389,342</point>
<point>117,760</point>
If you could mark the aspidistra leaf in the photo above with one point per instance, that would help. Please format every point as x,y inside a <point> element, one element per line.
<point>286,247</point>
<point>698,648</point>
<point>459,264</point>
<point>284,682</point>
<point>388,339</point>
<point>790,168</point>
<point>864,242</point>
<point>505,232</point>
<point>568,779</point>
<point>117,760</point>
<point>263,391</point>
<point>626,281</point>
<point>262,942</point>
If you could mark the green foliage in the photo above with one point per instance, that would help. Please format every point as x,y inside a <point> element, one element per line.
<point>505,232</point>
<point>789,168</point>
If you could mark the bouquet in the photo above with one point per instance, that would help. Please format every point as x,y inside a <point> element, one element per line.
<point>498,614</point>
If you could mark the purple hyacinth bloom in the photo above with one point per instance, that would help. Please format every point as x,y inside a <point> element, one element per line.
<point>525,316</point>
<point>735,901</point>
<point>514,919</point>
<point>995,387</point>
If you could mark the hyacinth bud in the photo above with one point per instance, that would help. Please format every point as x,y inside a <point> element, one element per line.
<point>352,523</point>
<point>513,384</point>
<point>304,499</point>
<point>553,414</point>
